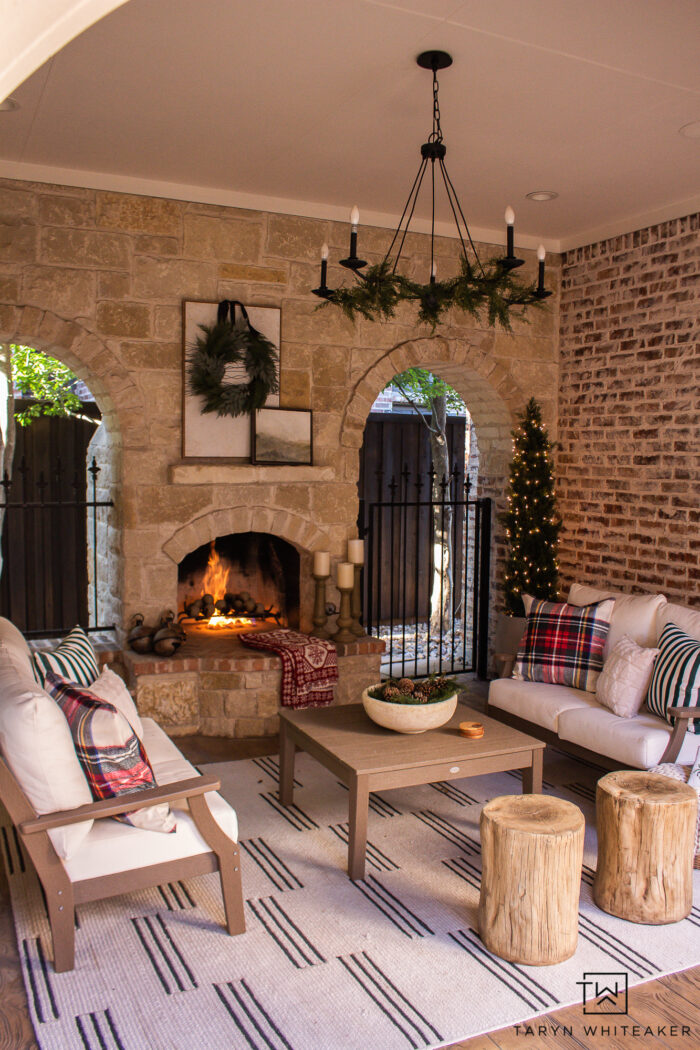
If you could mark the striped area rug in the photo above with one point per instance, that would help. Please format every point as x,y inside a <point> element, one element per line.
<point>391,962</point>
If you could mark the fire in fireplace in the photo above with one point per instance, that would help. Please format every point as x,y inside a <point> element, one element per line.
<point>240,580</point>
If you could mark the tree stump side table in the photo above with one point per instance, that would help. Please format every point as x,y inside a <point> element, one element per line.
<point>532,849</point>
<point>646,841</point>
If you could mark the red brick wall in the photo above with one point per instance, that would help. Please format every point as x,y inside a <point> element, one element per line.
<point>629,411</point>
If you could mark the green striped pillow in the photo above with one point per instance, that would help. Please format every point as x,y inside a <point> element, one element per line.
<point>675,680</point>
<point>74,659</point>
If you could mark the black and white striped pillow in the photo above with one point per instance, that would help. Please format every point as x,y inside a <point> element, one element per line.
<point>675,680</point>
<point>74,659</point>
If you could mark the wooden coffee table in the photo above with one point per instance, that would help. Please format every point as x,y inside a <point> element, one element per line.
<point>367,758</point>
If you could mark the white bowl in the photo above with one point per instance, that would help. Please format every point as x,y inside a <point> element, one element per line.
<point>409,718</point>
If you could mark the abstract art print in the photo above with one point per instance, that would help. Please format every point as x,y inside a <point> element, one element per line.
<point>282,435</point>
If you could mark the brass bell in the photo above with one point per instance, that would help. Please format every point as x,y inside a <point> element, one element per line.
<point>169,636</point>
<point>140,637</point>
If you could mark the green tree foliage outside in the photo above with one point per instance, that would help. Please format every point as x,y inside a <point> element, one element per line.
<point>532,522</point>
<point>48,383</point>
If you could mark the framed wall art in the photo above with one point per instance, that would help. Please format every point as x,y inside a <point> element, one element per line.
<point>206,435</point>
<point>282,436</point>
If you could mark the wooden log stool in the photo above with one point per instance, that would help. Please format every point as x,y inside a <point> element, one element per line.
<point>532,849</point>
<point>646,842</point>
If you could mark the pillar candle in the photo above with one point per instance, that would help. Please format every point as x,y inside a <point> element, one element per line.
<point>356,552</point>
<point>322,563</point>
<point>346,575</point>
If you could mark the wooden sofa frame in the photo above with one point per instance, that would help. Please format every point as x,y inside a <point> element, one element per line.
<point>62,894</point>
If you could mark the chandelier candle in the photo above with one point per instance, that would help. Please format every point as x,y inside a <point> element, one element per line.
<point>510,262</point>
<point>541,292</point>
<point>352,262</point>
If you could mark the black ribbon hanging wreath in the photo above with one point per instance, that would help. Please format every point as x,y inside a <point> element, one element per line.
<point>228,342</point>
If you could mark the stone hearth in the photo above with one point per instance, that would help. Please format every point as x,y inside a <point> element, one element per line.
<point>214,685</point>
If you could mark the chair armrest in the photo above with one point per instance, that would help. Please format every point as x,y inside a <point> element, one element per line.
<point>684,712</point>
<point>681,716</point>
<point>112,807</point>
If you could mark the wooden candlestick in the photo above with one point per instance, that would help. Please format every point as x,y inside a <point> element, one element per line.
<point>344,634</point>
<point>319,618</point>
<point>356,605</point>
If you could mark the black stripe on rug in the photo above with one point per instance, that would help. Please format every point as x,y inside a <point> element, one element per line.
<point>390,1000</point>
<point>584,791</point>
<point>42,996</point>
<point>98,1031</point>
<point>292,814</point>
<point>616,949</point>
<point>517,774</point>
<point>398,913</point>
<point>465,870</point>
<point>164,955</point>
<point>271,864</point>
<point>373,855</point>
<point>271,765</point>
<point>176,897</point>
<point>285,933</point>
<point>376,803</point>
<point>454,793</point>
<point>447,830</point>
<point>250,1017</point>
<point>526,988</point>
<point>587,874</point>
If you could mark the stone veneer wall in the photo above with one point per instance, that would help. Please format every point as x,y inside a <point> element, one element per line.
<point>629,428</point>
<point>98,279</point>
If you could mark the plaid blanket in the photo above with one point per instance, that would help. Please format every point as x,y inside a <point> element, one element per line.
<point>309,665</point>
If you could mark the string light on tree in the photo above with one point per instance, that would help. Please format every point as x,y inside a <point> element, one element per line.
<point>531,521</point>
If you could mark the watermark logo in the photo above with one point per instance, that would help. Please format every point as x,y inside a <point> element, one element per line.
<point>604,993</point>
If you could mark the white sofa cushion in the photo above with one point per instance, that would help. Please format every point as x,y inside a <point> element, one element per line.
<point>36,742</point>
<point>537,702</point>
<point>633,614</point>
<point>112,847</point>
<point>687,619</point>
<point>638,741</point>
<point>110,687</point>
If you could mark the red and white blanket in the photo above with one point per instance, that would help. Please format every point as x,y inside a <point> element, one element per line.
<point>309,665</point>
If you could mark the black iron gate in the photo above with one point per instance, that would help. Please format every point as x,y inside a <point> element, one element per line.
<point>426,578</point>
<point>48,516</point>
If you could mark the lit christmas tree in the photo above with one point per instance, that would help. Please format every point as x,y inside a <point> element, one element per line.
<point>532,523</point>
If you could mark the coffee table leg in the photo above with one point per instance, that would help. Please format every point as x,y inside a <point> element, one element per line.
<point>532,775</point>
<point>357,843</point>
<point>287,753</point>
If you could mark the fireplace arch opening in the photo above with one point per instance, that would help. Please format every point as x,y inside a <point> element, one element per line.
<point>251,578</point>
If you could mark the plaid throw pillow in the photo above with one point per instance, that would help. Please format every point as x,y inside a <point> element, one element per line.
<point>112,756</point>
<point>563,644</point>
<point>675,681</point>
<point>74,659</point>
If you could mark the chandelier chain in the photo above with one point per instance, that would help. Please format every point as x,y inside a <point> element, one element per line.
<point>436,135</point>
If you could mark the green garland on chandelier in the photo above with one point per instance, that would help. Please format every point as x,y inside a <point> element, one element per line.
<point>494,290</point>
<point>223,344</point>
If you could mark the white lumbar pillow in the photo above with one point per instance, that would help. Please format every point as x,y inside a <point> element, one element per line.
<point>110,687</point>
<point>624,680</point>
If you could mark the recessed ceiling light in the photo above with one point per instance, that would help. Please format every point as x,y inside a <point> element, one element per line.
<point>690,131</point>
<point>542,195</point>
<point>8,104</point>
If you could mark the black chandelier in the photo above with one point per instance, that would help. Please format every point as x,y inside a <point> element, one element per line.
<point>487,289</point>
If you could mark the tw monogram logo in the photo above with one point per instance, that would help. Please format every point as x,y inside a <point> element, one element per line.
<point>604,993</point>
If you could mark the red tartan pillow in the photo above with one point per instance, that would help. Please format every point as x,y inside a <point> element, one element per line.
<point>110,753</point>
<point>563,644</point>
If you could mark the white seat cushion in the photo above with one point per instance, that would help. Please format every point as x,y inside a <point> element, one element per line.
<point>633,614</point>
<point>112,847</point>
<point>638,741</point>
<point>537,702</point>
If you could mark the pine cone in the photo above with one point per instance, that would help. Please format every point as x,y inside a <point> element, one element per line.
<point>405,685</point>
<point>390,691</point>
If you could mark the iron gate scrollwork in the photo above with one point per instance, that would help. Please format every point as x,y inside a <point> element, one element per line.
<point>426,577</point>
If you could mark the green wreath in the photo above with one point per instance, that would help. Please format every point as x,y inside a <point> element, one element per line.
<point>222,344</point>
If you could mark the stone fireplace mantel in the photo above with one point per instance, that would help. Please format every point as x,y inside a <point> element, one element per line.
<point>208,472</point>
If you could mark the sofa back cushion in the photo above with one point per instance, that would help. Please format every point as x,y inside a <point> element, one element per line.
<point>36,743</point>
<point>688,620</point>
<point>634,615</point>
<point>563,644</point>
<point>624,680</point>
